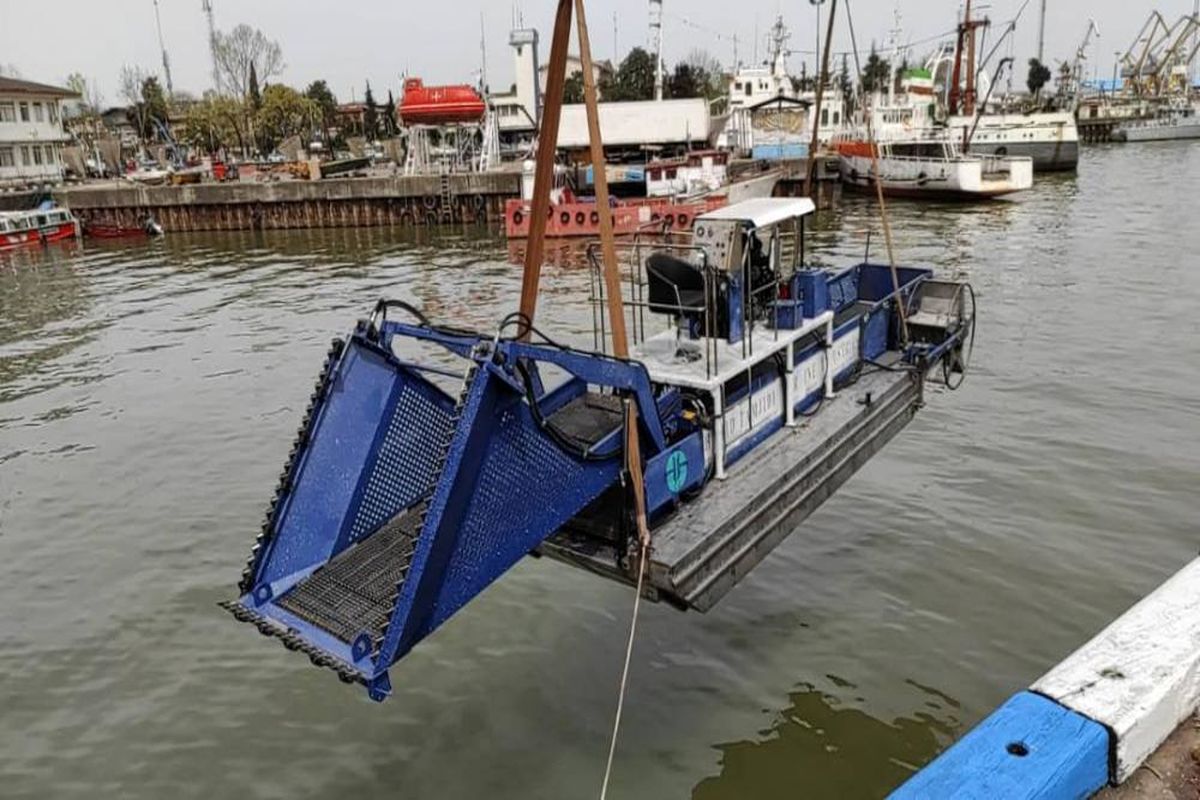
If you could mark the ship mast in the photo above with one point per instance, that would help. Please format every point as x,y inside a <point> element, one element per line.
<point>966,42</point>
<point>1041,56</point>
<point>969,97</point>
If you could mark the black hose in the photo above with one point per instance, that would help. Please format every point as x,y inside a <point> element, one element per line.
<point>382,307</point>
<point>547,427</point>
<point>970,345</point>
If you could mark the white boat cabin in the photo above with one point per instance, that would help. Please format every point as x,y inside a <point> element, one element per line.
<point>696,173</point>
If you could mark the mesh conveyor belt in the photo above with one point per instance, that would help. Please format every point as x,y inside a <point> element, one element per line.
<point>353,593</point>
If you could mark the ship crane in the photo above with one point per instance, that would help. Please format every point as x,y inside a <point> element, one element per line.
<point>1071,72</point>
<point>1141,64</point>
<point>1173,66</point>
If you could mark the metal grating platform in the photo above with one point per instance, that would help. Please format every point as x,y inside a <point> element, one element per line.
<point>589,418</point>
<point>353,593</point>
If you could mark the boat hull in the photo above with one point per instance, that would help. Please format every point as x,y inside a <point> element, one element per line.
<point>114,232</point>
<point>1158,133</point>
<point>753,188</point>
<point>11,241</point>
<point>1050,139</point>
<point>1046,156</point>
<point>961,179</point>
<point>579,219</point>
<point>58,233</point>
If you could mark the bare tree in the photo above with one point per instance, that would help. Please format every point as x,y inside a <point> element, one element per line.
<point>131,88</point>
<point>130,83</point>
<point>239,50</point>
<point>91,99</point>
<point>701,59</point>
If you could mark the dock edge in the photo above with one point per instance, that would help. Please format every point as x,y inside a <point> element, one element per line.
<point>1091,720</point>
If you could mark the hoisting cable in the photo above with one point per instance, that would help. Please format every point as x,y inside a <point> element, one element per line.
<point>634,468</point>
<point>868,113</point>
<point>616,313</point>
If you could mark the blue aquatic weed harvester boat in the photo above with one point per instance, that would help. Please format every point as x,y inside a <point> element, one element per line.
<point>432,459</point>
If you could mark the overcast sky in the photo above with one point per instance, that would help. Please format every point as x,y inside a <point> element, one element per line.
<point>349,43</point>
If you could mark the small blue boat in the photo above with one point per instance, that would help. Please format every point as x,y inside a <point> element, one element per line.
<point>759,386</point>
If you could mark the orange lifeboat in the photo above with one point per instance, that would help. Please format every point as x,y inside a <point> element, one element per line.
<point>440,105</point>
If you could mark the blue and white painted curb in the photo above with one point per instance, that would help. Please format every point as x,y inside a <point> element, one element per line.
<point>1090,721</point>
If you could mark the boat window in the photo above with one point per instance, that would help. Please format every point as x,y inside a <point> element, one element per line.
<point>837,117</point>
<point>6,157</point>
<point>671,173</point>
<point>8,112</point>
<point>824,117</point>
<point>749,89</point>
<point>24,112</point>
<point>39,114</point>
<point>53,109</point>
<point>25,159</point>
<point>37,155</point>
<point>737,87</point>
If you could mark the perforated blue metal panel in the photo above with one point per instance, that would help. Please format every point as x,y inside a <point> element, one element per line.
<point>527,488</point>
<point>407,459</point>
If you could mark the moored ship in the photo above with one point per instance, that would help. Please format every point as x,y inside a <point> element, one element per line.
<point>1049,138</point>
<point>1178,121</point>
<point>911,156</point>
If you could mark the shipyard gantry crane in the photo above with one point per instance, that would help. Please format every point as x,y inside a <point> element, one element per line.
<point>1157,63</point>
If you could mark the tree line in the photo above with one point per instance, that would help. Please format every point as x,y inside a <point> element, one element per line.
<point>246,111</point>
<point>699,75</point>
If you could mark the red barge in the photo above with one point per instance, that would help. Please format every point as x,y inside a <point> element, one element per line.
<point>571,216</point>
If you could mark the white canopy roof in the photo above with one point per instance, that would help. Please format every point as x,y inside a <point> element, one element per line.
<point>763,211</point>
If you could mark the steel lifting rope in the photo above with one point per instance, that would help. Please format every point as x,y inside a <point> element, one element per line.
<point>543,178</point>
<point>902,312</point>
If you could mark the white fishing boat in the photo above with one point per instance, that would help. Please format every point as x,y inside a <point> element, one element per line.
<point>704,174</point>
<point>915,157</point>
<point>1178,121</point>
<point>1050,138</point>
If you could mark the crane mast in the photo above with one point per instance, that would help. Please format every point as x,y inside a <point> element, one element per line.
<point>212,43</point>
<point>166,60</point>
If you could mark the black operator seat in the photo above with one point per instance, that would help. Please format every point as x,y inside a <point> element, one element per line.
<point>676,286</point>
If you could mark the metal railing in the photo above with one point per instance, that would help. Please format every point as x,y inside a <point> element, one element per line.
<point>784,248</point>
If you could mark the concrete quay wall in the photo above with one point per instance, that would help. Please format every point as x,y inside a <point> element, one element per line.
<point>337,202</point>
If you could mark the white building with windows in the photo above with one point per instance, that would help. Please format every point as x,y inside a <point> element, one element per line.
<point>31,133</point>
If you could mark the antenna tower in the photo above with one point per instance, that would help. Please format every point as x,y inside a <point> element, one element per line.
<point>656,45</point>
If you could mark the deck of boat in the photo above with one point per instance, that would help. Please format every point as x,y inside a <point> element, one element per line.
<point>711,543</point>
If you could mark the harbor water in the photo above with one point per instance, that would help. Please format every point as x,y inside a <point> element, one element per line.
<point>149,393</point>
